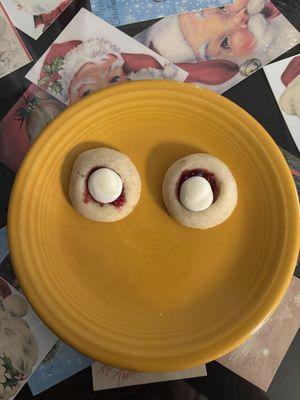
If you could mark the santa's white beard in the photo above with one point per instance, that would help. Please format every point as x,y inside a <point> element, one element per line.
<point>37,7</point>
<point>169,72</point>
<point>255,6</point>
<point>261,30</point>
<point>290,98</point>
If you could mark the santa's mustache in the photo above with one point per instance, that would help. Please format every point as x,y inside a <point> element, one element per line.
<point>261,30</point>
<point>255,6</point>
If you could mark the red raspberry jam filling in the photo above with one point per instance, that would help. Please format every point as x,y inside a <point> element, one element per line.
<point>209,176</point>
<point>118,203</point>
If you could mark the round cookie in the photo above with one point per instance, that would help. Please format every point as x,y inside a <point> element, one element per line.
<point>103,166</point>
<point>215,205</point>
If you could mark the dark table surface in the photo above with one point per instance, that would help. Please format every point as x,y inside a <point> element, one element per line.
<point>255,96</point>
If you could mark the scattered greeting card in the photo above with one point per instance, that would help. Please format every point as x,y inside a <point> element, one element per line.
<point>61,362</point>
<point>122,12</point>
<point>90,55</point>
<point>13,53</point>
<point>33,17</point>
<point>24,341</point>
<point>3,243</point>
<point>220,47</point>
<point>106,377</point>
<point>284,79</point>
<point>24,122</point>
<point>294,164</point>
<point>258,359</point>
<point>7,272</point>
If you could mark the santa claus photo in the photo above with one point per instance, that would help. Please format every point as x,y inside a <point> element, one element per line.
<point>34,16</point>
<point>24,122</point>
<point>13,53</point>
<point>284,79</point>
<point>18,346</point>
<point>221,46</point>
<point>24,341</point>
<point>83,61</point>
<point>290,98</point>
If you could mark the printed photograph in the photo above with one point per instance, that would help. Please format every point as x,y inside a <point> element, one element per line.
<point>24,341</point>
<point>294,164</point>
<point>7,272</point>
<point>106,377</point>
<point>90,55</point>
<point>24,122</point>
<point>220,47</point>
<point>13,52</point>
<point>284,79</point>
<point>33,17</point>
<point>3,243</point>
<point>259,358</point>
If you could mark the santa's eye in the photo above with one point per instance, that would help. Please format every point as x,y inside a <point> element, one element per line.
<point>225,43</point>
<point>86,92</point>
<point>223,9</point>
<point>115,79</point>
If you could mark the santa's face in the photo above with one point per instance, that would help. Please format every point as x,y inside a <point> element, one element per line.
<point>37,7</point>
<point>92,77</point>
<point>225,32</point>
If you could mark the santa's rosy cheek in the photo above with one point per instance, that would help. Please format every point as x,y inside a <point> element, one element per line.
<point>242,42</point>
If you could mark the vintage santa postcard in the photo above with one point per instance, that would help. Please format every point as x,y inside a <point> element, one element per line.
<point>259,358</point>
<point>3,243</point>
<point>284,79</point>
<point>106,377</point>
<point>90,55</point>
<point>7,272</point>
<point>123,12</point>
<point>13,53</point>
<point>33,17</point>
<point>294,164</point>
<point>24,122</point>
<point>220,47</point>
<point>24,341</point>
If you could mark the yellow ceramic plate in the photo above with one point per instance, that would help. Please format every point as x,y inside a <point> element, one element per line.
<point>145,293</point>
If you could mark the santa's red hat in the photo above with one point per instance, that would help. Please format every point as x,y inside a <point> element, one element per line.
<point>47,19</point>
<point>292,71</point>
<point>64,60</point>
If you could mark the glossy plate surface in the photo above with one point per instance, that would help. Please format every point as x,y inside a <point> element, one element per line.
<point>145,293</point>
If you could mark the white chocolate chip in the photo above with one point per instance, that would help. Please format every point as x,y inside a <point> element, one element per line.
<point>196,194</point>
<point>105,185</point>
